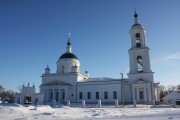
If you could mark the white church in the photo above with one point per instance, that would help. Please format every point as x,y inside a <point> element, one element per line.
<point>68,83</point>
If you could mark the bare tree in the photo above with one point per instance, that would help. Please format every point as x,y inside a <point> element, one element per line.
<point>19,88</point>
<point>171,88</point>
<point>9,94</point>
<point>1,89</point>
<point>163,91</point>
<point>178,88</point>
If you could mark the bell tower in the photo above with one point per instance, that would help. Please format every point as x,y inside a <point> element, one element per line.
<point>139,57</point>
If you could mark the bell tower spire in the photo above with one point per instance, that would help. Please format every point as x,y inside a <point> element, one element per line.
<point>138,33</point>
<point>69,48</point>
<point>136,20</point>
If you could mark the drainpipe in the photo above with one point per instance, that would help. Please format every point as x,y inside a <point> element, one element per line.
<point>76,91</point>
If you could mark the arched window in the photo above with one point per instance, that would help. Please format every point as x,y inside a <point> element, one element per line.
<point>139,64</point>
<point>137,36</point>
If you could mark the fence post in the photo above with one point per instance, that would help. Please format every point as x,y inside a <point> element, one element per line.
<point>174,103</point>
<point>134,102</point>
<point>153,102</point>
<point>68,103</point>
<point>83,103</point>
<point>54,102</point>
<point>99,103</point>
<point>116,103</point>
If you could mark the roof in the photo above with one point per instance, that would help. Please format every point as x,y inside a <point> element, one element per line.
<point>56,82</point>
<point>68,55</point>
<point>99,80</point>
<point>172,96</point>
<point>137,25</point>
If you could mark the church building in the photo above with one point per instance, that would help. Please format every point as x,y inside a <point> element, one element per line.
<point>68,83</point>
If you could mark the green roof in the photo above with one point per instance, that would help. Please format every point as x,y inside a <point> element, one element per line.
<point>68,55</point>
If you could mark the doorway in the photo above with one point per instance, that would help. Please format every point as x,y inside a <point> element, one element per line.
<point>141,94</point>
<point>27,100</point>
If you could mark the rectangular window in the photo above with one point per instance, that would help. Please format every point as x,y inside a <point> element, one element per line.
<point>105,95</point>
<point>89,95</point>
<point>80,95</point>
<point>114,95</point>
<point>97,95</point>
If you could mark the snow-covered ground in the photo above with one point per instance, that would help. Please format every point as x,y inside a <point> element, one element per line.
<point>76,112</point>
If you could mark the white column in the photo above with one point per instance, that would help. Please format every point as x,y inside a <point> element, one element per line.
<point>145,96</point>
<point>47,97</point>
<point>149,93</point>
<point>153,91</point>
<point>54,94</point>
<point>133,93</point>
<point>59,95</point>
<point>137,89</point>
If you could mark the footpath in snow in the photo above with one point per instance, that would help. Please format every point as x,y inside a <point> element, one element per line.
<point>59,112</point>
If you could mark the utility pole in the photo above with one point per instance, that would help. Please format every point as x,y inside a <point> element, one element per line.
<point>122,89</point>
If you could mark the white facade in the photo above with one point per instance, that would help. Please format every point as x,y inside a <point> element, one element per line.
<point>69,84</point>
<point>28,96</point>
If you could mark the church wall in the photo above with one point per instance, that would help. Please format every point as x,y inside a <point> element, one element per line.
<point>127,93</point>
<point>67,78</point>
<point>37,99</point>
<point>101,88</point>
<point>144,76</point>
<point>66,65</point>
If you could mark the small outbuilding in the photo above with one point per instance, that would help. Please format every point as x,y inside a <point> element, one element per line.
<point>172,96</point>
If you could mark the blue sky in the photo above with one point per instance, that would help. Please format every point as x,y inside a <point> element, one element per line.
<point>33,33</point>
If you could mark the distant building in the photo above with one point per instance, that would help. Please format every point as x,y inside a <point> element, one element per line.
<point>28,96</point>
<point>68,83</point>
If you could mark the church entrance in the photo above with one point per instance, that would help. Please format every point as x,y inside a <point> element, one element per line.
<point>27,100</point>
<point>141,94</point>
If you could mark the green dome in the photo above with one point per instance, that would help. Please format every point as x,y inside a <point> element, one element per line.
<point>68,55</point>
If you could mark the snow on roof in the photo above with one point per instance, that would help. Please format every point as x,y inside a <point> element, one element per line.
<point>172,96</point>
<point>101,79</point>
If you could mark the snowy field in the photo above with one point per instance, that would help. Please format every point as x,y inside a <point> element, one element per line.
<point>45,112</point>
